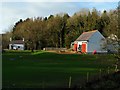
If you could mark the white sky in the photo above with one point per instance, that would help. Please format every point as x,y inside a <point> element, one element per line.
<point>60,1</point>
<point>12,11</point>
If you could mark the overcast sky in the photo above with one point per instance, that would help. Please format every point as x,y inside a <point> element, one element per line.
<point>11,11</point>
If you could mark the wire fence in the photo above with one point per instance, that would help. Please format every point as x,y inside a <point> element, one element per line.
<point>72,82</point>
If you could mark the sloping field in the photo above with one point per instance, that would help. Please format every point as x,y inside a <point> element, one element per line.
<point>23,69</point>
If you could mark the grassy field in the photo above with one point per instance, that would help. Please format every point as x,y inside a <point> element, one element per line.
<point>44,69</point>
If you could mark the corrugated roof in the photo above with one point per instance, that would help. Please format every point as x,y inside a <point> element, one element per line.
<point>17,42</point>
<point>86,35</point>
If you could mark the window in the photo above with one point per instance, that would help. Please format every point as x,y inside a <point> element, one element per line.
<point>79,47</point>
<point>18,46</point>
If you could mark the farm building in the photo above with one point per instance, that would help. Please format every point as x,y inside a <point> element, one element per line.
<point>89,42</point>
<point>16,44</point>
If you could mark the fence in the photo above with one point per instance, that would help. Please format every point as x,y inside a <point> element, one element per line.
<point>53,48</point>
<point>71,82</point>
<point>90,78</point>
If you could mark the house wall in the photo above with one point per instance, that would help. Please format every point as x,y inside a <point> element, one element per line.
<point>96,42</point>
<point>15,46</point>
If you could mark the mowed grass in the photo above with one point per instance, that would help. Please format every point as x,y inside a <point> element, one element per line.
<point>44,69</point>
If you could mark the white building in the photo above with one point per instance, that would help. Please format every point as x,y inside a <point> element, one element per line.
<point>16,44</point>
<point>90,41</point>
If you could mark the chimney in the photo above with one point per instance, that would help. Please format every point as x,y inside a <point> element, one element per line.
<point>10,39</point>
<point>23,39</point>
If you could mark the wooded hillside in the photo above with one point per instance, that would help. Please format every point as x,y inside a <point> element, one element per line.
<point>61,29</point>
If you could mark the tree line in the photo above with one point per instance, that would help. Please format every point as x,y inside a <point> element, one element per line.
<point>61,29</point>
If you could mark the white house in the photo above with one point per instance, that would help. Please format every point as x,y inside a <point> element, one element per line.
<point>16,44</point>
<point>90,41</point>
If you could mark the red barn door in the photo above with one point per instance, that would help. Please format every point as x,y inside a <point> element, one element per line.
<point>75,47</point>
<point>84,47</point>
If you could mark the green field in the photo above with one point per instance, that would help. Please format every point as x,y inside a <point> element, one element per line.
<point>44,69</point>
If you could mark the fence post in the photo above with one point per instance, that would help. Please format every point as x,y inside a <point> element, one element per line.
<point>116,68</point>
<point>70,81</point>
<point>108,70</point>
<point>100,73</point>
<point>87,76</point>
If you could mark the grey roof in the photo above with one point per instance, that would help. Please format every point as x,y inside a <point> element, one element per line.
<point>86,35</point>
<point>17,42</point>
